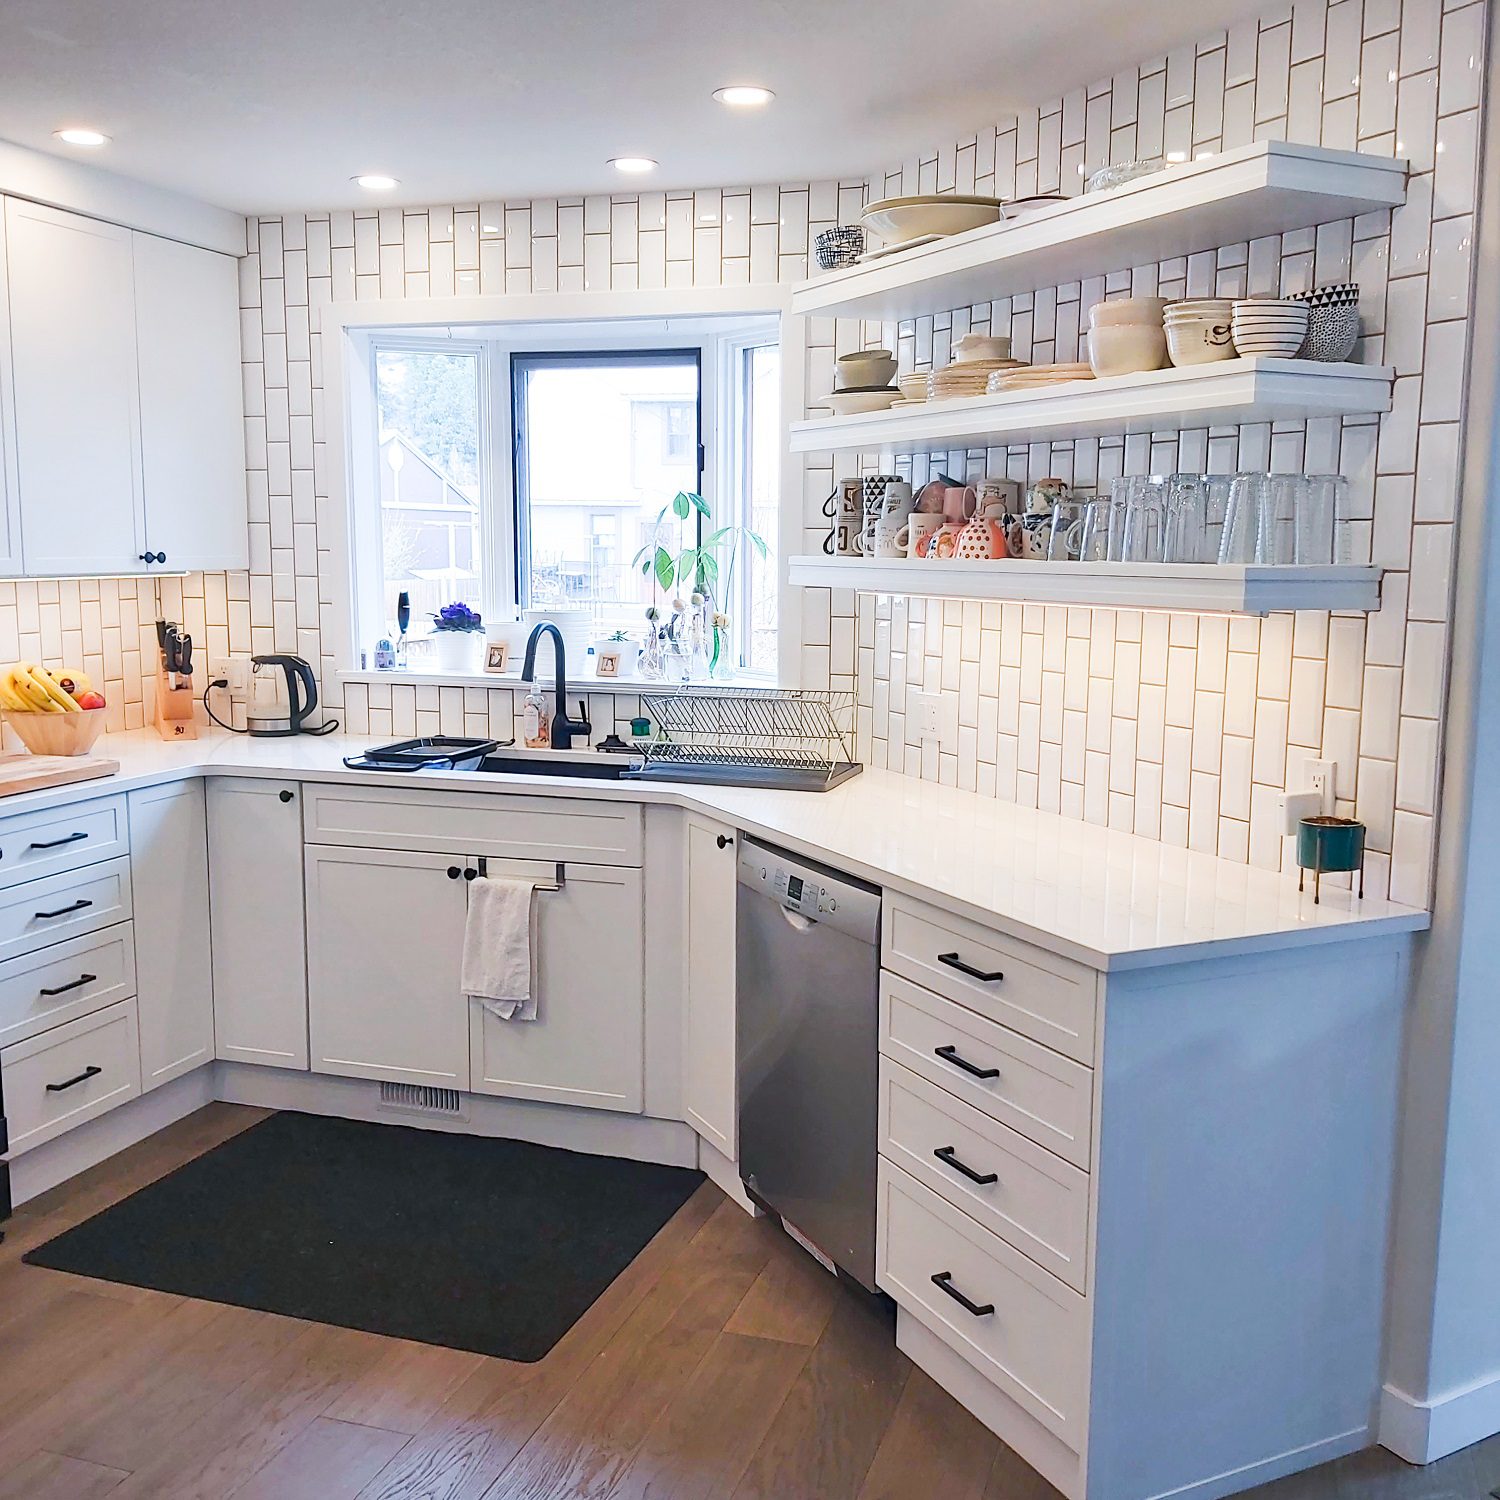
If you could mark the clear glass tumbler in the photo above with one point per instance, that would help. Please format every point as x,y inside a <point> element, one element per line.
<point>1187,520</point>
<point>1098,539</point>
<point>1320,504</point>
<point>1281,500</point>
<point>1144,528</point>
<point>1240,538</point>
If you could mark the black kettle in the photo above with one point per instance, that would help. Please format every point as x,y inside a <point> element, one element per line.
<point>301,697</point>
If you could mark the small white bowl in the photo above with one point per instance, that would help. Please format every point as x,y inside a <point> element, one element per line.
<point>1272,345</point>
<point>1200,341</point>
<point>1127,348</point>
<point>1127,310</point>
<point>913,387</point>
<point>866,367</point>
<point>974,346</point>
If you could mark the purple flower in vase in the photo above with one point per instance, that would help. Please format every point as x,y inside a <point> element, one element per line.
<point>457,617</point>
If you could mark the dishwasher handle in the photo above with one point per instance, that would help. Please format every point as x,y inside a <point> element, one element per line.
<point>795,920</point>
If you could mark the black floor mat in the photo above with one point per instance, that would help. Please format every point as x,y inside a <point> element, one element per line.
<point>488,1245</point>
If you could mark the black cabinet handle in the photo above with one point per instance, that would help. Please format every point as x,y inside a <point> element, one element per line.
<point>72,838</point>
<point>284,795</point>
<point>949,1054</point>
<point>77,984</point>
<point>454,872</point>
<point>944,1281</point>
<point>724,841</point>
<point>947,1156</point>
<point>83,1077</point>
<point>470,874</point>
<point>955,962</point>
<point>64,910</point>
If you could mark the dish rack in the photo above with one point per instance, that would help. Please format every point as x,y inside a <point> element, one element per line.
<point>784,738</point>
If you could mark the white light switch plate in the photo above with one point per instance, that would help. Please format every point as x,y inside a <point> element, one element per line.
<point>929,715</point>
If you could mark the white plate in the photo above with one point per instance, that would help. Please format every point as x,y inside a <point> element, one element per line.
<point>880,252</point>
<point>903,219</point>
<point>852,403</point>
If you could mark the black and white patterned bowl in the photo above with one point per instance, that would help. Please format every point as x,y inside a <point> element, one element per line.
<point>1339,294</point>
<point>839,247</point>
<point>1332,332</point>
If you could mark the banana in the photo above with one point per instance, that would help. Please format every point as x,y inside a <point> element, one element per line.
<point>10,698</point>
<point>80,680</point>
<point>49,685</point>
<point>36,698</point>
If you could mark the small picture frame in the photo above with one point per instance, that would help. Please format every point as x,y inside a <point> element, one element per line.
<point>497,656</point>
<point>607,661</point>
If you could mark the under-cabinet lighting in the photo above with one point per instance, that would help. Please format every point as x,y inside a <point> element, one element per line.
<point>78,135</point>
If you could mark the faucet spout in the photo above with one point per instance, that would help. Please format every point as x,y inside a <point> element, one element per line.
<point>563,728</point>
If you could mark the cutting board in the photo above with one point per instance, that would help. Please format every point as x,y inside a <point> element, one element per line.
<point>31,773</point>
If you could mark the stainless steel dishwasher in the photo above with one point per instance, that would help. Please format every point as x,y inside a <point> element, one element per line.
<point>808,977</point>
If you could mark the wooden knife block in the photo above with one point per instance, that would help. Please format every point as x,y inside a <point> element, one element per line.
<point>174,706</point>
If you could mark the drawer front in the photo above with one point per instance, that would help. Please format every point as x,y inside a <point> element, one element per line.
<point>1011,1187</point>
<point>62,838</point>
<point>1046,1097</point>
<point>1050,999</point>
<point>64,981</point>
<point>43,912</point>
<point>1025,1331</point>
<point>499,824</point>
<point>70,1074</point>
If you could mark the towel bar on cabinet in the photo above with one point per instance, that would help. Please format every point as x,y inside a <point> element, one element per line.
<point>561,881</point>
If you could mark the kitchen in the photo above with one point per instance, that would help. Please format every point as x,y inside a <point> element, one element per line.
<point>680,767</point>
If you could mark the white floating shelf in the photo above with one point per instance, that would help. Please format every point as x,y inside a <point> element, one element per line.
<point>1241,194</point>
<point>1249,589</point>
<point>1230,392</point>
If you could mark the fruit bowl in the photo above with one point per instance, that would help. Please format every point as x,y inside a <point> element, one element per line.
<point>60,733</point>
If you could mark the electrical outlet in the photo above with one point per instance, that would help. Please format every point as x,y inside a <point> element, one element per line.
<point>1320,779</point>
<point>235,672</point>
<point>929,715</point>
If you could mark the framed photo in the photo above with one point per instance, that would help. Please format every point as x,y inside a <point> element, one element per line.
<point>607,661</point>
<point>497,656</point>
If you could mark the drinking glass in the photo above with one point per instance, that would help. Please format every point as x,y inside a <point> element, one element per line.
<point>1099,530</point>
<point>1321,504</point>
<point>1281,499</point>
<point>1063,532</point>
<point>1216,509</point>
<point>1144,527</point>
<point>1240,538</point>
<point>1187,519</point>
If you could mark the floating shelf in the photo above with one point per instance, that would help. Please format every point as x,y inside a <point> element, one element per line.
<point>1241,194</point>
<point>1249,589</point>
<point>1230,392</point>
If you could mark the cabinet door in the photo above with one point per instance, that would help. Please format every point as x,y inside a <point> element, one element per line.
<point>586,1045</point>
<point>10,490</point>
<point>192,405</point>
<point>708,1085</point>
<point>385,934</point>
<point>259,938</point>
<point>76,392</point>
<point>174,967</point>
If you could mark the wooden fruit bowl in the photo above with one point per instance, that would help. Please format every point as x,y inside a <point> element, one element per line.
<point>58,734</point>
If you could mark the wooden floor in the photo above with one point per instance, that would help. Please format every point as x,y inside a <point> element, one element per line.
<point>721,1363</point>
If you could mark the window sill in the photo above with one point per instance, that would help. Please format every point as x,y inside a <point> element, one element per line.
<point>588,684</point>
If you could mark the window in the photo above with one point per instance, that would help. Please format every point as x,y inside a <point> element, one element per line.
<point>527,467</point>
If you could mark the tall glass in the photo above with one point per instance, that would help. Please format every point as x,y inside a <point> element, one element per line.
<point>1144,528</point>
<point>1099,530</point>
<point>1187,519</point>
<point>1241,535</point>
<point>1321,502</point>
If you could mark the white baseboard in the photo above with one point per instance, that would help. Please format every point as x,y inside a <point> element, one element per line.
<point>39,1170</point>
<point>596,1132</point>
<point>1423,1431</point>
<point>725,1175</point>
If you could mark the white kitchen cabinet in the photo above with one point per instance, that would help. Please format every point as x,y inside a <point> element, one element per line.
<point>192,405</point>
<point>76,393</point>
<point>586,1045</point>
<point>259,936</point>
<point>10,490</point>
<point>174,965</point>
<point>708,1084</point>
<point>384,937</point>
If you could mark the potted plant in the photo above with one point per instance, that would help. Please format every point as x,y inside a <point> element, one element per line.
<point>457,631</point>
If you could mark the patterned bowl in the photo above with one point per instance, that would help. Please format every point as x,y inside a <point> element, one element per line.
<point>841,246</point>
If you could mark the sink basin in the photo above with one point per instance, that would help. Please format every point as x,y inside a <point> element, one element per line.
<point>543,765</point>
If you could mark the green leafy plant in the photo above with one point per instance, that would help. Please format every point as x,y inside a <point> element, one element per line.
<point>699,567</point>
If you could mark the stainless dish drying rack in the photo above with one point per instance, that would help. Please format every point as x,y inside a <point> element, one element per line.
<point>784,738</point>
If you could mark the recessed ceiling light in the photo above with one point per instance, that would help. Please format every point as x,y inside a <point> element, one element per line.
<point>632,163</point>
<point>76,135</point>
<point>375,182</point>
<point>744,96</point>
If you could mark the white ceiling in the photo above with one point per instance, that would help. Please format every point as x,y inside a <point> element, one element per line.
<point>276,104</point>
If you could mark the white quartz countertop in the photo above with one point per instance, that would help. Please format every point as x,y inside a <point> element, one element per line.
<point>1112,900</point>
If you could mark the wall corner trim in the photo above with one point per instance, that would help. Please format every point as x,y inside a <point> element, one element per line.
<point>1423,1431</point>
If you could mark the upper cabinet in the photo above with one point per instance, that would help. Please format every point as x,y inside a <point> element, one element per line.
<point>124,385</point>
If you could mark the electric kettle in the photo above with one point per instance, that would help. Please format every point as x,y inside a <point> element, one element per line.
<point>301,699</point>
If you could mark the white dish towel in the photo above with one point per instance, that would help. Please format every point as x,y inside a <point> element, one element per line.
<point>499,960</point>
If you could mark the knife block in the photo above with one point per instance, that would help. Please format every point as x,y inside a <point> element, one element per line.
<point>174,706</point>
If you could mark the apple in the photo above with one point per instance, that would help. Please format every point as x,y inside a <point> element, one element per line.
<point>90,700</point>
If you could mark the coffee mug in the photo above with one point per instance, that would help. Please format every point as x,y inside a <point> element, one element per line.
<point>889,537</point>
<point>845,509</point>
<point>916,535</point>
<point>959,503</point>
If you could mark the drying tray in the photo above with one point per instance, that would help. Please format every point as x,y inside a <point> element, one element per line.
<point>432,752</point>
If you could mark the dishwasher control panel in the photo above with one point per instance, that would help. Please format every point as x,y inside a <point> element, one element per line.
<point>795,890</point>
<point>808,889</point>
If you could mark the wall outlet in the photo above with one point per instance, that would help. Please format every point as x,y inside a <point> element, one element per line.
<point>1321,775</point>
<point>235,671</point>
<point>929,715</point>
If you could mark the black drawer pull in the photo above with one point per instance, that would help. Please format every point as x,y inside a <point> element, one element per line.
<point>949,1054</point>
<point>953,961</point>
<point>83,1077</point>
<point>63,911</point>
<point>77,984</point>
<point>946,1155</point>
<point>944,1281</point>
<point>72,838</point>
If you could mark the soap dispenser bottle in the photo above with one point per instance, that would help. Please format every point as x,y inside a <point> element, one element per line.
<point>536,720</point>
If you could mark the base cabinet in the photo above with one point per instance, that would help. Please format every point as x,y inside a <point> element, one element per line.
<point>586,1046</point>
<point>259,939</point>
<point>385,931</point>
<point>708,1056</point>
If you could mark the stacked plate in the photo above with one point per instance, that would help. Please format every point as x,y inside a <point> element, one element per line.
<point>967,377</point>
<point>1036,377</point>
<point>1270,325</point>
<point>902,220</point>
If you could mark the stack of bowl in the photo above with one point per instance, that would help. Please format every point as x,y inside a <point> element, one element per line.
<point>1126,335</point>
<point>975,357</point>
<point>1269,325</point>
<point>913,388</point>
<point>1199,330</point>
<point>863,382</point>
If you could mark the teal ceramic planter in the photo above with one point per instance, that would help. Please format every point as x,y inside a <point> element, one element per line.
<point>1326,843</point>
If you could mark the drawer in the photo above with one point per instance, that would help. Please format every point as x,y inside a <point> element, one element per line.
<point>62,838</point>
<point>497,823</point>
<point>66,980</point>
<point>1033,1200</point>
<point>1048,1098</point>
<point>70,1074</point>
<point>43,912</point>
<point>1050,999</point>
<point>1024,1331</point>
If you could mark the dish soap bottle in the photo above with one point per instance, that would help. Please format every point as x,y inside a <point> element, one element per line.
<point>536,720</point>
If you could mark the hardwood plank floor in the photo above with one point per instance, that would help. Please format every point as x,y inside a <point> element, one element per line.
<point>722,1363</point>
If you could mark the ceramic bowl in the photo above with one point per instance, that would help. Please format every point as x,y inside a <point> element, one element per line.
<point>865,367</point>
<point>913,387</point>
<point>1332,332</point>
<point>1127,310</point>
<point>1125,348</point>
<point>1123,172</point>
<point>840,246</point>
<point>851,403</point>
<point>896,220</point>
<point>986,346</point>
<point>1199,341</point>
